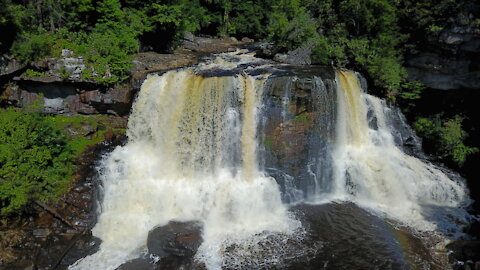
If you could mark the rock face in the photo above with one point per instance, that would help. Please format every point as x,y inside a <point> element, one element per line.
<point>149,62</point>
<point>60,89</point>
<point>212,45</point>
<point>299,56</point>
<point>450,60</point>
<point>67,98</point>
<point>297,128</point>
<point>9,65</point>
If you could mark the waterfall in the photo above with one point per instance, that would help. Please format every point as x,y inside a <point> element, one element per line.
<point>231,146</point>
<point>191,155</point>
<point>372,171</point>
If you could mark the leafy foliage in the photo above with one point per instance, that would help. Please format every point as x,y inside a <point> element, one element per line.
<point>35,163</point>
<point>448,137</point>
<point>371,36</point>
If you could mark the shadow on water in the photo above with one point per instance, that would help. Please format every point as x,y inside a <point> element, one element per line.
<point>355,239</point>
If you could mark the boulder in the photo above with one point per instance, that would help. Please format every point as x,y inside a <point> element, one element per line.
<point>9,65</point>
<point>171,246</point>
<point>212,45</point>
<point>299,56</point>
<point>179,239</point>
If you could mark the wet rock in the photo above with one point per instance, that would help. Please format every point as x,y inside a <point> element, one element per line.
<point>41,233</point>
<point>469,265</point>
<point>169,247</point>
<point>138,264</point>
<point>178,239</point>
<point>463,250</point>
<point>23,265</point>
<point>265,50</point>
<point>149,62</point>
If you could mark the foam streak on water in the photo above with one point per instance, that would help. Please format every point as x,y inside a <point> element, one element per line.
<point>191,155</point>
<point>373,172</point>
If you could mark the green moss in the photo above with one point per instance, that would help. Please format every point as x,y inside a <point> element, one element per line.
<point>33,73</point>
<point>303,118</point>
<point>79,141</point>
<point>268,142</point>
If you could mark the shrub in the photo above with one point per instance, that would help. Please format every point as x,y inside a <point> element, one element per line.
<point>35,46</point>
<point>448,137</point>
<point>35,162</point>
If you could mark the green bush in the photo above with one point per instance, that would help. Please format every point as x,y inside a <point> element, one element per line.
<point>35,46</point>
<point>448,137</point>
<point>35,162</point>
<point>107,52</point>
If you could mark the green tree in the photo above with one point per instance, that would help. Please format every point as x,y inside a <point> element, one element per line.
<point>35,163</point>
<point>446,138</point>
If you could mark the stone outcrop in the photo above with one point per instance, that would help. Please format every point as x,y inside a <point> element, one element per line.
<point>9,65</point>
<point>212,45</point>
<point>150,62</point>
<point>450,59</point>
<point>299,56</point>
<point>58,87</point>
<point>69,98</point>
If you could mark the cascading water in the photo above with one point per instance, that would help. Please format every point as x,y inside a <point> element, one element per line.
<point>191,155</point>
<point>213,148</point>
<point>374,173</point>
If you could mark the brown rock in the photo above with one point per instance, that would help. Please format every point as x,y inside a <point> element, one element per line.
<point>108,135</point>
<point>8,65</point>
<point>22,265</point>
<point>154,62</point>
<point>247,40</point>
<point>8,255</point>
